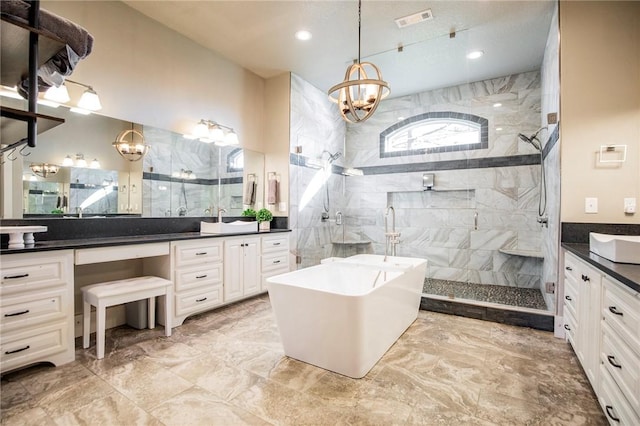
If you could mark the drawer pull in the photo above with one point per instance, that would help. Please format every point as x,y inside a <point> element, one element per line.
<point>17,350</point>
<point>611,359</point>
<point>276,244</point>
<point>13,277</point>
<point>566,327</point>
<point>201,276</point>
<point>585,278</point>
<point>15,314</point>
<point>568,268</point>
<point>568,298</point>
<point>201,300</point>
<point>609,410</point>
<point>276,261</point>
<point>202,253</point>
<point>615,311</point>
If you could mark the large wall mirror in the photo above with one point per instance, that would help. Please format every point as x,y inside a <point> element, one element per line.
<point>177,177</point>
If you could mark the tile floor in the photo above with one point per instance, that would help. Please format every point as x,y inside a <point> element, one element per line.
<point>227,368</point>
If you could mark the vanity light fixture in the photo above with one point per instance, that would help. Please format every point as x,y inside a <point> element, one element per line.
<point>95,164</point>
<point>358,96</point>
<point>131,150</point>
<point>209,131</point>
<point>80,161</point>
<point>89,101</point>
<point>68,161</point>
<point>44,169</point>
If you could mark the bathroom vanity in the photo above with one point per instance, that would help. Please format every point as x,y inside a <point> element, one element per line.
<point>602,324</point>
<point>39,285</point>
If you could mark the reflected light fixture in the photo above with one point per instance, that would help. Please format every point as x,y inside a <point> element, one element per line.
<point>209,131</point>
<point>68,161</point>
<point>95,164</point>
<point>44,169</point>
<point>80,161</point>
<point>358,96</point>
<point>131,150</point>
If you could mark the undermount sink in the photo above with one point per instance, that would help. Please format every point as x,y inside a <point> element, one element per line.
<point>228,227</point>
<point>616,248</point>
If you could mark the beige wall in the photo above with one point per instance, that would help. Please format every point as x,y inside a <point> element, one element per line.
<point>146,73</point>
<point>276,140</point>
<point>600,105</point>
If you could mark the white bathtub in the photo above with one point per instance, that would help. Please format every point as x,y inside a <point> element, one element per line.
<point>332,316</point>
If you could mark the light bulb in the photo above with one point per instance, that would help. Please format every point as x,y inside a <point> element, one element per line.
<point>90,101</point>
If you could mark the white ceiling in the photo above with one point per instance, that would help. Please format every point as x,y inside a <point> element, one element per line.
<point>259,35</point>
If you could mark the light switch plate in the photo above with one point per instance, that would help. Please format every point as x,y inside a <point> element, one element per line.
<point>591,205</point>
<point>629,205</point>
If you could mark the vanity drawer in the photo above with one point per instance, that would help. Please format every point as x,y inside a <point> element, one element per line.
<point>195,253</point>
<point>22,348</point>
<point>21,273</point>
<point>571,328</point>
<point>198,301</point>
<point>613,403</point>
<point>571,298</point>
<point>621,311</point>
<point>276,261</point>
<point>24,310</point>
<point>623,365</point>
<point>128,251</point>
<point>273,244</point>
<point>195,277</point>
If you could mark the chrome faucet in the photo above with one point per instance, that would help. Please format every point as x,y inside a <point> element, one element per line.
<point>393,237</point>
<point>79,211</point>
<point>182,211</point>
<point>220,211</point>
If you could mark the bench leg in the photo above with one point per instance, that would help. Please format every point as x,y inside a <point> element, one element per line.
<point>168,310</point>
<point>86,324</point>
<point>101,315</point>
<point>151,312</point>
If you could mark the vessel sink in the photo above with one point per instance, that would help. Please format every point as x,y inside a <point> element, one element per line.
<point>617,248</point>
<point>228,227</point>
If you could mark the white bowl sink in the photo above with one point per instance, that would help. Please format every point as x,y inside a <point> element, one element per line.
<point>228,228</point>
<point>617,248</point>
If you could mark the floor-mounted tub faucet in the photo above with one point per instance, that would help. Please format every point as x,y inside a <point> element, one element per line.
<point>393,237</point>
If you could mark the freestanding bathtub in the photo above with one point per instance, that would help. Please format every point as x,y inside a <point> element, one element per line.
<point>345,314</point>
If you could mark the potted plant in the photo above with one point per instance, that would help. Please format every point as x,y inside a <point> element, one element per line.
<point>249,215</point>
<point>264,216</point>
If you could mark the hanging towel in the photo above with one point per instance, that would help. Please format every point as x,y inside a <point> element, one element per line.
<point>249,193</point>
<point>272,196</point>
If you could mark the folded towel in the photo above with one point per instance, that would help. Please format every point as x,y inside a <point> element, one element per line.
<point>272,196</point>
<point>249,193</point>
<point>78,44</point>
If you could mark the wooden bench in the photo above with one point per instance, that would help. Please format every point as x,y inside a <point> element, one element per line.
<point>117,292</point>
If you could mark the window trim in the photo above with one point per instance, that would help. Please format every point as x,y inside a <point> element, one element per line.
<point>484,133</point>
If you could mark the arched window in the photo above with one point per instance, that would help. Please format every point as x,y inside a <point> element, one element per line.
<point>235,160</point>
<point>444,131</point>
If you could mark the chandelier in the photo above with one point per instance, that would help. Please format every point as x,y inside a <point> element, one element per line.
<point>131,150</point>
<point>44,169</point>
<point>358,96</point>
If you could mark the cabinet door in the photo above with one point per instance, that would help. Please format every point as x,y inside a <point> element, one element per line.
<point>251,271</point>
<point>233,264</point>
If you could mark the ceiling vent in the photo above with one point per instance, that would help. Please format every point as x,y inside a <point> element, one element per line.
<point>416,18</point>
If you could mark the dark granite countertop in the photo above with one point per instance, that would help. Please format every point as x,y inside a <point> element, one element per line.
<point>627,273</point>
<point>81,243</point>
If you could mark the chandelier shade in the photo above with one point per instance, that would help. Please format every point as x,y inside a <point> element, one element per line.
<point>44,169</point>
<point>359,95</point>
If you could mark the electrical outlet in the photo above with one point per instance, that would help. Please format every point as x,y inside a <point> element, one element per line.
<point>591,205</point>
<point>550,287</point>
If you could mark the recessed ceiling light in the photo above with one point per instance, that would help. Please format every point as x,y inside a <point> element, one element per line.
<point>497,105</point>
<point>303,35</point>
<point>475,54</point>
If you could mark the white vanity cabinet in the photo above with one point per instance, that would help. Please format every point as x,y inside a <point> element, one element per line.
<point>620,353</point>
<point>582,284</point>
<point>241,267</point>
<point>197,273</point>
<point>275,257</point>
<point>36,309</point>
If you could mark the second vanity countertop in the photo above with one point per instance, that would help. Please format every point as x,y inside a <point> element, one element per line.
<point>81,243</point>
<point>626,273</point>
